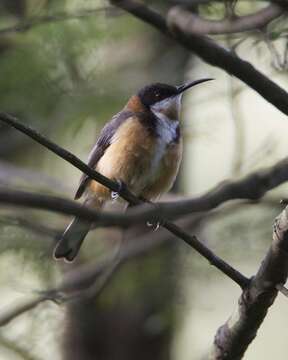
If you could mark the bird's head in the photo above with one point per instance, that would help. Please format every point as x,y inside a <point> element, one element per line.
<point>165,99</point>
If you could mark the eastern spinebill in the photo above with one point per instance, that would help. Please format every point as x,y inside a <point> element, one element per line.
<point>140,147</point>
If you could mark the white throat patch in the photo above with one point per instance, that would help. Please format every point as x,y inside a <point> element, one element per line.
<point>167,131</point>
<point>167,107</point>
<point>166,128</point>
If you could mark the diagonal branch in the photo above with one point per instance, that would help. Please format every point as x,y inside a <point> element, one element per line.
<point>209,51</point>
<point>191,240</point>
<point>233,338</point>
<point>64,154</point>
<point>252,187</point>
<point>195,24</point>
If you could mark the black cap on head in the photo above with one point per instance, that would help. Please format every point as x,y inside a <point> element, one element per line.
<point>151,94</point>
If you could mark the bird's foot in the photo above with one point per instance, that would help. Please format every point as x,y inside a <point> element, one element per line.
<point>116,194</point>
<point>154,225</point>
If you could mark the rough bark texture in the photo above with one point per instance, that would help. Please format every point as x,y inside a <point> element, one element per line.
<point>233,338</point>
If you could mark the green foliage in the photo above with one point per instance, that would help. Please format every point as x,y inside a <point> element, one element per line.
<point>55,70</point>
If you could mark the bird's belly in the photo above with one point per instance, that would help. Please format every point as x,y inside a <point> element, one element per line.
<point>163,175</point>
<point>146,164</point>
<point>166,158</point>
<point>128,158</point>
<point>153,168</point>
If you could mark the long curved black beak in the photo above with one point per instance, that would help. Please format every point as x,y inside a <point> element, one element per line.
<point>187,86</point>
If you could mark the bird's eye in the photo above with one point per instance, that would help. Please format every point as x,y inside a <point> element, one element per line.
<point>157,95</point>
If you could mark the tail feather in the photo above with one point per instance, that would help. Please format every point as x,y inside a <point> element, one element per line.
<point>71,240</point>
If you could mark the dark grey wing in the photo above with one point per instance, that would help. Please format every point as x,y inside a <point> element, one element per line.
<point>101,145</point>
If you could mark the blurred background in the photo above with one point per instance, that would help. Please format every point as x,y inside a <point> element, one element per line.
<point>66,67</point>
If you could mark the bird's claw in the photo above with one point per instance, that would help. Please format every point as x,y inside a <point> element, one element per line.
<point>154,225</point>
<point>115,194</point>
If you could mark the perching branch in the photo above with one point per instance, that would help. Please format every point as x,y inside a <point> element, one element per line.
<point>252,187</point>
<point>194,24</point>
<point>257,185</point>
<point>209,51</point>
<point>233,338</point>
<point>125,194</point>
<point>69,157</point>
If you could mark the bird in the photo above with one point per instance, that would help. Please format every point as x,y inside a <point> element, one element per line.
<point>141,147</point>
